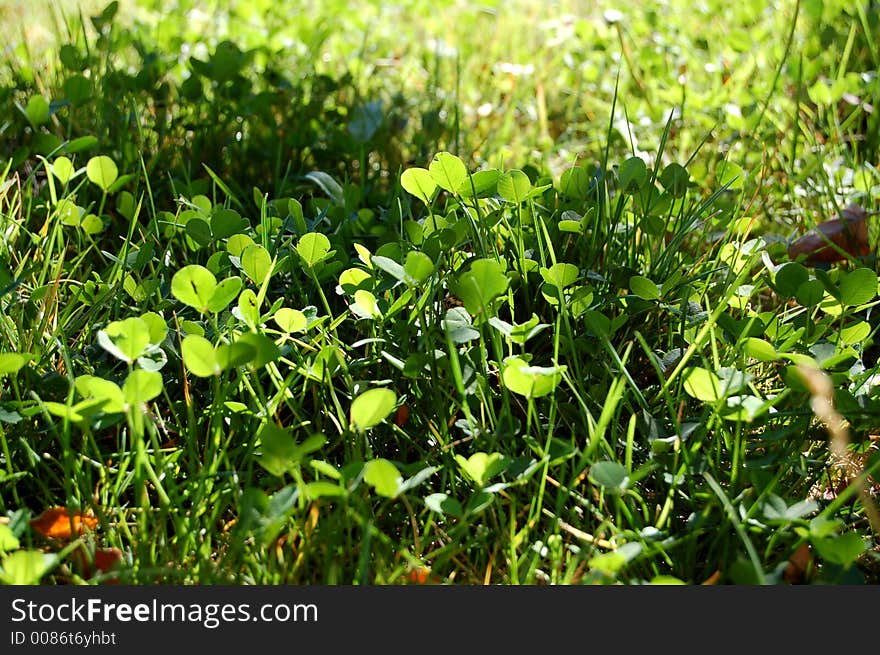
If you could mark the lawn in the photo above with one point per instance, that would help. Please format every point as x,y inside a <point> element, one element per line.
<point>401,293</point>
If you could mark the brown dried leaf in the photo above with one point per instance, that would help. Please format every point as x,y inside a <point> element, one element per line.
<point>849,232</point>
<point>102,560</point>
<point>799,564</point>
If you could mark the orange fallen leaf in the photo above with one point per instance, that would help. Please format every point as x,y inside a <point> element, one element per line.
<point>61,523</point>
<point>422,575</point>
<point>419,575</point>
<point>849,232</point>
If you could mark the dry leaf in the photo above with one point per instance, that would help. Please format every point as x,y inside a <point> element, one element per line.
<point>798,565</point>
<point>402,415</point>
<point>421,575</point>
<point>849,232</point>
<point>103,560</point>
<point>61,523</point>
<point>107,559</point>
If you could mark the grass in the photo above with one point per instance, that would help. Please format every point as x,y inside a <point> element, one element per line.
<point>388,295</point>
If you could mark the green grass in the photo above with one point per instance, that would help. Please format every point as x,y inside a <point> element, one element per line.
<point>337,293</point>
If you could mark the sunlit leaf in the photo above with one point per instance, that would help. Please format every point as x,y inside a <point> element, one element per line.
<point>141,386</point>
<point>352,279</point>
<point>247,308</point>
<point>448,171</point>
<point>102,172</point>
<point>8,540</point>
<point>26,567</point>
<point>702,384</point>
<point>126,339</point>
<point>530,381</point>
<point>91,224</point>
<point>514,186</point>
<point>199,356</point>
<point>482,467</point>
<point>644,288</point>
<point>63,170</point>
<point>520,332</point>
<point>365,305</point>
<point>156,326</point>
<point>418,267</point>
<point>479,184</point>
<point>290,320</point>
<point>12,362</point>
<point>560,275</point>
<point>111,398</point>
<point>666,580</point>
<point>68,212</point>
<point>37,110</point>
<point>419,183</point>
<point>256,262</point>
<point>313,248</point>
<point>64,411</point>
<point>322,489</point>
<point>372,407</point>
<point>236,244</point>
<point>194,285</point>
<point>855,333</point>
<point>383,476</point>
<point>224,293</point>
<point>761,350</point>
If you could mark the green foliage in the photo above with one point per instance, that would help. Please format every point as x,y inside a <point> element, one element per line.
<point>196,286</point>
<point>482,282</point>
<point>448,172</point>
<point>383,476</point>
<point>102,172</point>
<point>26,567</point>
<point>371,407</point>
<point>420,183</point>
<point>285,312</point>
<point>530,381</point>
